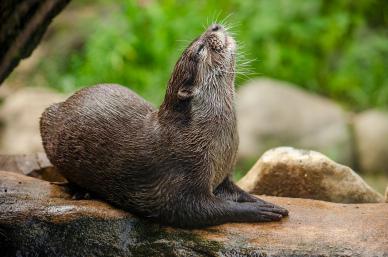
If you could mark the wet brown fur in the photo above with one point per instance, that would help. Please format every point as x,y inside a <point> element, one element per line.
<point>172,164</point>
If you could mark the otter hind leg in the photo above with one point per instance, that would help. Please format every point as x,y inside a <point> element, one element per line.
<point>228,190</point>
<point>201,211</point>
<point>48,126</point>
<point>196,206</point>
<point>48,119</point>
<point>76,192</point>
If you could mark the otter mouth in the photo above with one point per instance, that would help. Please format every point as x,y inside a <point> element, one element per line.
<point>230,43</point>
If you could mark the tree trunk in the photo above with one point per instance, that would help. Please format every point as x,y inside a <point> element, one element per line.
<point>22,25</point>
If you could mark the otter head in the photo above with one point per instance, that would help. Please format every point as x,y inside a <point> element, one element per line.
<point>205,68</point>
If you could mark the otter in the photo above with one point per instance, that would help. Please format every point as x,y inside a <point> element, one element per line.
<point>171,165</point>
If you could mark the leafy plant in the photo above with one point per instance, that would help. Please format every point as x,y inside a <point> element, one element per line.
<point>335,48</point>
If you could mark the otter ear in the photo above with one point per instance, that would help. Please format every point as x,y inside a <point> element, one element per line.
<point>185,93</point>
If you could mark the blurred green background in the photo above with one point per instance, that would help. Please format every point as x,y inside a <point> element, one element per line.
<point>338,49</point>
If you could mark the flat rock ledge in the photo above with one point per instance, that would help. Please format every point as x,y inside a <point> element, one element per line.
<point>40,219</point>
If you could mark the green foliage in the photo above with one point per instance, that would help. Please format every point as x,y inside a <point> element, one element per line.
<point>336,48</point>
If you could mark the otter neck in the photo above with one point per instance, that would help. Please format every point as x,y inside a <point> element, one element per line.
<point>214,100</point>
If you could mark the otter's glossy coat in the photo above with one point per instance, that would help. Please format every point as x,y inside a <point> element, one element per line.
<point>171,164</point>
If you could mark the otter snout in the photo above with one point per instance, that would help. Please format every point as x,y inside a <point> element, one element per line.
<point>218,39</point>
<point>216,27</point>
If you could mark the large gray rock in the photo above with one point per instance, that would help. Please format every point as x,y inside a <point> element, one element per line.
<point>272,113</point>
<point>371,136</point>
<point>20,115</point>
<point>290,172</point>
<point>40,219</point>
<point>36,165</point>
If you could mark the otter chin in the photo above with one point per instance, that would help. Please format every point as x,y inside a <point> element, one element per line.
<point>173,164</point>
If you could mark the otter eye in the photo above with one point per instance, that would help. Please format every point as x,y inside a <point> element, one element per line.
<point>200,48</point>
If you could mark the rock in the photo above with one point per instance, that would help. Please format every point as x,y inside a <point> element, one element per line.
<point>272,113</point>
<point>20,115</point>
<point>24,163</point>
<point>386,195</point>
<point>35,165</point>
<point>290,172</point>
<point>40,219</point>
<point>371,136</point>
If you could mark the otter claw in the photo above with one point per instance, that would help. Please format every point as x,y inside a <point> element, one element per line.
<point>269,216</point>
<point>272,207</point>
<point>276,209</point>
<point>81,196</point>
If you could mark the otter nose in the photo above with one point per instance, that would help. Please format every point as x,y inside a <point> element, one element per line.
<point>215,27</point>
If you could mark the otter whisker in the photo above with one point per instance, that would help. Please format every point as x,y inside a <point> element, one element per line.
<point>225,19</point>
<point>238,73</point>
<point>216,17</point>
<point>229,27</point>
<point>246,62</point>
<point>183,40</point>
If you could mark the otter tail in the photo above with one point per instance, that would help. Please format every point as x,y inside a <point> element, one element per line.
<point>48,128</point>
